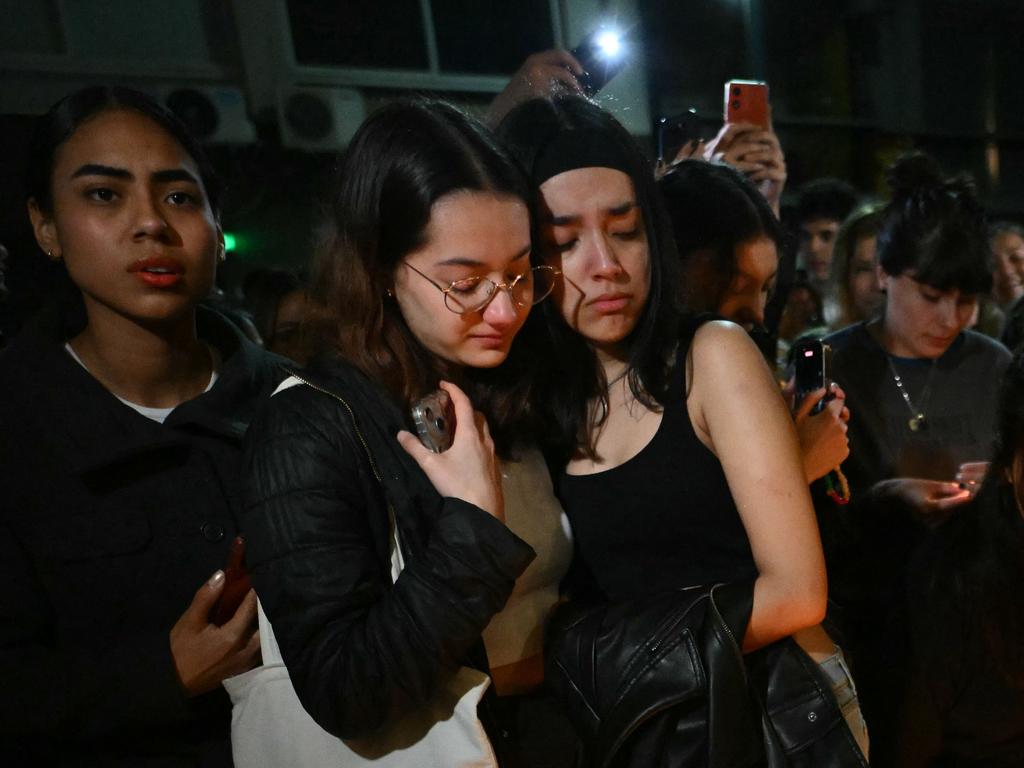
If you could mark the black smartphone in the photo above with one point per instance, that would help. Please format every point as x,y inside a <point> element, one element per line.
<point>811,366</point>
<point>434,418</point>
<point>602,54</point>
<point>675,132</point>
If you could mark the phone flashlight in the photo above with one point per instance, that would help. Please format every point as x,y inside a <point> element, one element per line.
<point>602,54</point>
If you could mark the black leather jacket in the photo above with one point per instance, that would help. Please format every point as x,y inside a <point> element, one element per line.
<point>324,465</point>
<point>662,682</point>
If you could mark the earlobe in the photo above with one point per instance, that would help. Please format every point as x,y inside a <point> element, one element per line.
<point>45,230</point>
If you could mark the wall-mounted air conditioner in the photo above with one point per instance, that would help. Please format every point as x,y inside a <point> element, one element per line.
<point>319,119</point>
<point>215,114</point>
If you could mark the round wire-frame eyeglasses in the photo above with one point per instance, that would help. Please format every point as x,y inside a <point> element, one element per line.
<point>473,294</point>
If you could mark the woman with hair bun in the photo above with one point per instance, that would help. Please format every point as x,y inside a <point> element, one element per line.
<point>922,394</point>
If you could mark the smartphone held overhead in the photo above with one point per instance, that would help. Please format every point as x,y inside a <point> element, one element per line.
<point>602,54</point>
<point>746,101</point>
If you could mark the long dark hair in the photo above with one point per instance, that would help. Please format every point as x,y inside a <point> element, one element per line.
<point>67,116</point>
<point>714,209</point>
<point>575,377</point>
<point>935,227</point>
<point>403,159</point>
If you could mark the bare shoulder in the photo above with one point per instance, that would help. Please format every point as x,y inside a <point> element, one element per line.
<point>721,346</point>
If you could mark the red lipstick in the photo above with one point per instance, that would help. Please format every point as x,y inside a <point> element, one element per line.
<point>158,271</point>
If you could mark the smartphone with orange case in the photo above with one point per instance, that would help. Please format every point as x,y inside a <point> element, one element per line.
<point>236,585</point>
<point>746,101</point>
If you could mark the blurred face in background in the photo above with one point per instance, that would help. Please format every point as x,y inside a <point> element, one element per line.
<point>1008,272</point>
<point>866,295</point>
<point>744,300</point>
<point>817,238</point>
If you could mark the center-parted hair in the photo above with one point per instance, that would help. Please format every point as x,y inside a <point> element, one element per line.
<point>531,131</point>
<point>404,158</point>
<point>934,228</point>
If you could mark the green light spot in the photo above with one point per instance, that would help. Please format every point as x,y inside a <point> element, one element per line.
<point>230,242</point>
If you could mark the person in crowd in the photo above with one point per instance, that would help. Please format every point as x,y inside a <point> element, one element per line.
<point>639,395</point>
<point>822,206</point>
<point>855,267</point>
<point>962,702</point>
<point>120,453</point>
<point>424,278</point>
<point>277,300</point>
<point>922,394</point>
<point>1007,242</point>
<point>729,240</point>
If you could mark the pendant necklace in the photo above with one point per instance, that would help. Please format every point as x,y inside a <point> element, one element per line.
<point>917,421</point>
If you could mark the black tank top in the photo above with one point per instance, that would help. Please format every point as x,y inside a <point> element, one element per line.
<point>665,518</point>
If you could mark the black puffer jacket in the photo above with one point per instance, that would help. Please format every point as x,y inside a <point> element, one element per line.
<point>324,464</point>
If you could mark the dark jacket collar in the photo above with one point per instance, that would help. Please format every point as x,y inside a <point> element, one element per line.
<point>93,429</point>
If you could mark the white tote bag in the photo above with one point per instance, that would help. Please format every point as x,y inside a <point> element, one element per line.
<point>270,728</point>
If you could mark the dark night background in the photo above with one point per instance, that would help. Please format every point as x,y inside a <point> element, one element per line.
<point>853,83</point>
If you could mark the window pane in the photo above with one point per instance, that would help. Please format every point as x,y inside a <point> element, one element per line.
<point>490,38</point>
<point>378,33</point>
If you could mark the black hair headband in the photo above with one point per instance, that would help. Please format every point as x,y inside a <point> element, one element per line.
<point>570,150</point>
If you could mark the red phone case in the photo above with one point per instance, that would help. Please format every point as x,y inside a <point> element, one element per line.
<point>236,585</point>
<point>746,101</point>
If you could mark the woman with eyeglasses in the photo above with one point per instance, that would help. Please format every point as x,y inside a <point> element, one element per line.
<point>424,279</point>
<point>680,465</point>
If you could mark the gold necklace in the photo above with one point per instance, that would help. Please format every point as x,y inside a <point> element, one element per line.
<point>917,421</point>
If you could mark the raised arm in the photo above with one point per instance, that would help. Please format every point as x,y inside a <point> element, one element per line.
<point>738,413</point>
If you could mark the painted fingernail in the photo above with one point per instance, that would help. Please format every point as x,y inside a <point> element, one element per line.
<point>216,579</point>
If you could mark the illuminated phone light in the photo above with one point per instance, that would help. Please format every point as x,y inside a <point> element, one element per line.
<point>610,44</point>
<point>808,353</point>
<point>230,242</point>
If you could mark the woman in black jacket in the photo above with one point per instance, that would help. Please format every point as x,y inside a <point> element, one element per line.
<point>121,421</point>
<point>424,276</point>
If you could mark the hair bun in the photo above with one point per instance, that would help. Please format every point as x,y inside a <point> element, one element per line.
<point>916,179</point>
<point>912,173</point>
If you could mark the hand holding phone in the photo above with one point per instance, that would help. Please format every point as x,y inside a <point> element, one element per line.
<point>468,469</point>
<point>602,56</point>
<point>811,362</point>
<point>236,585</point>
<point>434,418</point>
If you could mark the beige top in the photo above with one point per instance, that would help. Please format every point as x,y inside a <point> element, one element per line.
<point>534,514</point>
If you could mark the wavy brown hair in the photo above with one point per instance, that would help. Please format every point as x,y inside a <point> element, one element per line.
<point>406,157</point>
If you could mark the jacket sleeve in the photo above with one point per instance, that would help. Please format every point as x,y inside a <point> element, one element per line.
<point>359,650</point>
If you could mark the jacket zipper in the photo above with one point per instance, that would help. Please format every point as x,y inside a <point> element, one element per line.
<point>355,424</point>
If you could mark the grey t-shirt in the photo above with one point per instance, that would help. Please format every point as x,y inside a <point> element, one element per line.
<point>959,406</point>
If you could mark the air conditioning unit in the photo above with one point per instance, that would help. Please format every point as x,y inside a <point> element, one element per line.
<point>319,119</point>
<point>214,114</point>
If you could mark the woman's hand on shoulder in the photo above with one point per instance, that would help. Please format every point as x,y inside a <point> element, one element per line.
<point>469,469</point>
